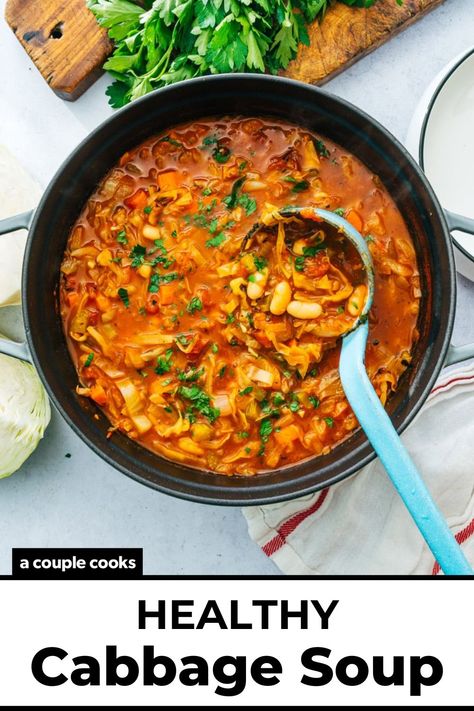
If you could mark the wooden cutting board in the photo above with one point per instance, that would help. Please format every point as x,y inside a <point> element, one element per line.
<point>69,48</point>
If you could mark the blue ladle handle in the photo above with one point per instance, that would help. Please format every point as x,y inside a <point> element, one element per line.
<point>397,462</point>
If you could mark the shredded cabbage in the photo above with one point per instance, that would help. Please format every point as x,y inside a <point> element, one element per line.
<point>24,413</point>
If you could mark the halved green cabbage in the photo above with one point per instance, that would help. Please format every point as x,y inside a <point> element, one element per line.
<point>24,413</point>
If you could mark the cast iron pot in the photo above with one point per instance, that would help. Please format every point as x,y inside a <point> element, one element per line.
<point>247,95</point>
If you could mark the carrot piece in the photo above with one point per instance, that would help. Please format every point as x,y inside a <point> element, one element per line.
<point>287,434</point>
<point>168,180</point>
<point>98,394</point>
<point>72,298</point>
<point>167,294</point>
<point>139,199</point>
<point>355,219</point>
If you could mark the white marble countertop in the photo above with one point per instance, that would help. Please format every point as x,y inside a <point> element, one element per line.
<point>81,501</point>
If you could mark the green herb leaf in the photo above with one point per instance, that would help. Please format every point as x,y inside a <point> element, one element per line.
<point>88,360</point>
<point>200,401</point>
<point>260,262</point>
<point>194,305</point>
<point>247,390</point>
<point>157,279</point>
<point>162,42</point>
<point>321,149</point>
<point>217,240</point>
<point>265,430</point>
<point>137,255</point>
<point>191,375</point>
<point>163,363</point>
<point>123,294</point>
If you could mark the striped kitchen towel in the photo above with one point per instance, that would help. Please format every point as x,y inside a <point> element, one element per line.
<point>360,526</point>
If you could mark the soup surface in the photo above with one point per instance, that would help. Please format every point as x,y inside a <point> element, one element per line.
<point>220,353</point>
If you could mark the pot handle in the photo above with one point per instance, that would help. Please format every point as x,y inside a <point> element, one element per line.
<point>10,224</point>
<point>456,354</point>
<point>459,222</point>
<point>17,222</point>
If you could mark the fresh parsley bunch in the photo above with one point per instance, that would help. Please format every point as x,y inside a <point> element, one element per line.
<point>161,42</point>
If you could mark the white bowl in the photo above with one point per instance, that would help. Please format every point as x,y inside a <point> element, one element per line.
<point>441,138</point>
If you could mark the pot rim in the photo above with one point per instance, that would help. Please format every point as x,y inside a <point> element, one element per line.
<point>263,493</point>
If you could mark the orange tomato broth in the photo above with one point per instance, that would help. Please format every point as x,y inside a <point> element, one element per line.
<point>170,325</point>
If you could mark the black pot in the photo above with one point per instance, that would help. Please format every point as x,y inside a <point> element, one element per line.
<point>248,95</point>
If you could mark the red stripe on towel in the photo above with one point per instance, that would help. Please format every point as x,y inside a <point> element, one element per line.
<point>450,382</point>
<point>286,528</point>
<point>289,526</point>
<point>460,536</point>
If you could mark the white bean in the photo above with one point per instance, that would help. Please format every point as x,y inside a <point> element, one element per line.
<point>256,285</point>
<point>304,309</point>
<point>281,298</point>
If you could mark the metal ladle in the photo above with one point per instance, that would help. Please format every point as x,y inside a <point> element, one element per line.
<point>371,414</point>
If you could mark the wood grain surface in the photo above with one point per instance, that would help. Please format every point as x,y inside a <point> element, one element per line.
<point>348,34</point>
<point>69,48</point>
<point>63,40</point>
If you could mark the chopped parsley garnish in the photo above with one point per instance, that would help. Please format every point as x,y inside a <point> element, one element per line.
<point>294,404</point>
<point>123,294</point>
<point>147,209</point>
<point>329,421</point>
<point>247,390</point>
<point>167,408</point>
<point>174,233</point>
<point>221,154</point>
<point>163,363</point>
<point>194,305</point>
<point>231,200</point>
<point>248,203</point>
<point>339,211</point>
<point>221,372</point>
<point>243,435</point>
<point>247,450</point>
<point>230,318</point>
<point>278,399</point>
<point>214,348</point>
<point>191,375</point>
<point>207,191</point>
<point>183,339</point>
<point>310,251</point>
<point>157,279</point>
<point>217,240</point>
<point>137,255</point>
<point>209,141</point>
<point>265,430</point>
<point>200,401</point>
<point>321,149</point>
<point>237,198</point>
<point>260,262</point>
<point>298,185</point>
<point>212,227</point>
<point>173,141</point>
<point>313,400</point>
<point>340,309</point>
<point>89,360</point>
<point>122,237</point>
<point>369,238</point>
